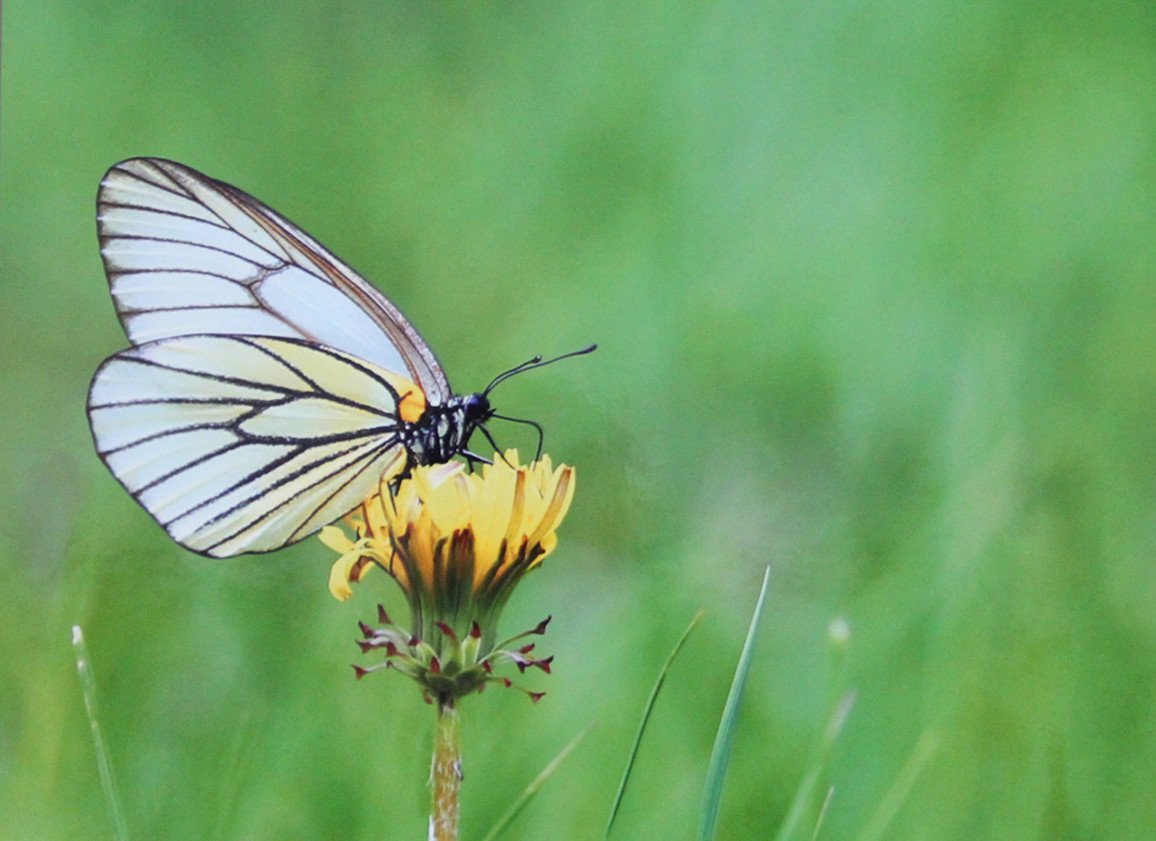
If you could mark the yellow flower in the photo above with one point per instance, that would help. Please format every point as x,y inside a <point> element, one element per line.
<point>457,543</point>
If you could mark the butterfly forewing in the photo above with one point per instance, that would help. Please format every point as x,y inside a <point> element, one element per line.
<point>244,444</point>
<point>188,255</point>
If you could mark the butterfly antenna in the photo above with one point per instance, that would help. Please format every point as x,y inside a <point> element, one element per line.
<point>531,364</point>
<point>528,365</point>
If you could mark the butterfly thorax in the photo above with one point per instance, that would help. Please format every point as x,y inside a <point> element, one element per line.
<point>443,432</point>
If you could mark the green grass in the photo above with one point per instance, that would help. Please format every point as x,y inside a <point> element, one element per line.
<point>873,287</point>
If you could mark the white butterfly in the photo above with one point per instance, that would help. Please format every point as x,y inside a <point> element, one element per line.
<point>269,388</point>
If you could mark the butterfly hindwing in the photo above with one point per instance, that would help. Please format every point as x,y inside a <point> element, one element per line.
<point>243,443</point>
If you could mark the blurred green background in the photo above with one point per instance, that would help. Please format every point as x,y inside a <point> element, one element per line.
<point>875,291</point>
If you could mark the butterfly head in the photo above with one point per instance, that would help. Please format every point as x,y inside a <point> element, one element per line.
<point>475,411</point>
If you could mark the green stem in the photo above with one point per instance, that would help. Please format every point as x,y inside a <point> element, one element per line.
<point>447,773</point>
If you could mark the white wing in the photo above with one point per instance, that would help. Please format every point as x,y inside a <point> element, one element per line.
<point>188,255</point>
<point>244,444</point>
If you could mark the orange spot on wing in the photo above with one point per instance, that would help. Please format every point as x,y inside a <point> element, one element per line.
<point>411,403</point>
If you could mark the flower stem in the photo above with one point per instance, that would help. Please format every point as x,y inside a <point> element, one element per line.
<point>447,774</point>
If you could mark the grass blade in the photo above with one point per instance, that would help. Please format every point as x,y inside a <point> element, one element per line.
<point>721,754</point>
<point>804,798</point>
<point>839,709</point>
<point>645,718</point>
<point>103,759</point>
<point>516,807</point>
<point>896,795</point>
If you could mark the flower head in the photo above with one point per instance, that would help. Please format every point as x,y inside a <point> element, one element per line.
<point>457,543</point>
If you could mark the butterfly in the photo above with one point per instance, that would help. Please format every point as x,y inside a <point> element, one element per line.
<point>269,388</point>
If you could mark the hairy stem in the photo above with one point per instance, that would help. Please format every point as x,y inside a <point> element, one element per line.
<point>446,773</point>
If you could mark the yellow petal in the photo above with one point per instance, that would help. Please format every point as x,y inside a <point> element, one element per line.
<point>335,539</point>
<point>341,573</point>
